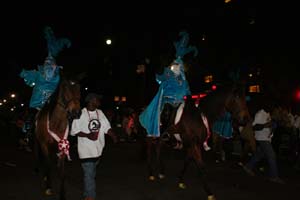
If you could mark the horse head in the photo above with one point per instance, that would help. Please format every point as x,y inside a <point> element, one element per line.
<point>69,97</point>
<point>236,104</point>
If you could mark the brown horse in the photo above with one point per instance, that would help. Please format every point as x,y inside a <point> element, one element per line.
<point>193,131</point>
<point>52,128</point>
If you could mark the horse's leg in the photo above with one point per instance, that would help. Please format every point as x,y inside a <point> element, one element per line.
<point>61,167</point>
<point>149,146</point>
<point>42,164</point>
<point>46,170</point>
<point>37,155</point>
<point>196,154</point>
<point>159,160</point>
<point>186,164</point>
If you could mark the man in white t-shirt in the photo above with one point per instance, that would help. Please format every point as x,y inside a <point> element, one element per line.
<point>90,129</point>
<point>262,126</point>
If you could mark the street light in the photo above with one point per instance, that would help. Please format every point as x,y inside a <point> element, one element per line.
<point>108,41</point>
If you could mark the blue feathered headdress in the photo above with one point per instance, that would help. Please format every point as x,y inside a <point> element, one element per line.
<point>55,45</point>
<point>182,47</point>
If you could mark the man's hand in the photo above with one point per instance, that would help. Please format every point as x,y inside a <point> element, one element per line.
<point>268,125</point>
<point>113,136</point>
<point>258,127</point>
<point>93,136</point>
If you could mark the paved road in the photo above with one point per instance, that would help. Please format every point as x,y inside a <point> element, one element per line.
<point>122,175</point>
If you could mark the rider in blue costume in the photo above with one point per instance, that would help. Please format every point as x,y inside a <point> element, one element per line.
<point>44,80</point>
<point>173,86</point>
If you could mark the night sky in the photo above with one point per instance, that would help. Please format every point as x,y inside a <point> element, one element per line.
<point>240,34</point>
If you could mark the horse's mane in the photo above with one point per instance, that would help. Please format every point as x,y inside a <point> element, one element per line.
<point>213,105</point>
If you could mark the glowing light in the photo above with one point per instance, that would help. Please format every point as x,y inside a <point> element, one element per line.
<point>13,95</point>
<point>116,98</point>
<point>254,88</point>
<point>4,100</point>
<point>140,69</point>
<point>108,41</point>
<point>202,95</point>
<point>22,104</point>
<point>298,94</point>
<point>86,88</point>
<point>250,75</point>
<point>123,99</point>
<point>196,96</point>
<point>213,87</point>
<point>208,78</point>
<point>1,104</point>
<point>12,109</point>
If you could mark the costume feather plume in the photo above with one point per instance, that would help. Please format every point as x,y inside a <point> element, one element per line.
<point>182,47</point>
<point>55,45</point>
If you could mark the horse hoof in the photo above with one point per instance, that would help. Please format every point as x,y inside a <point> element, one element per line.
<point>211,197</point>
<point>161,176</point>
<point>151,178</point>
<point>49,192</point>
<point>182,185</point>
<point>206,147</point>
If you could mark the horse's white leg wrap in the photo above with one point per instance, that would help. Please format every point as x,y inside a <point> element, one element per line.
<point>177,136</point>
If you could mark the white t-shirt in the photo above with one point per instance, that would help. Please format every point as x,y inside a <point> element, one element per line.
<point>90,121</point>
<point>262,117</point>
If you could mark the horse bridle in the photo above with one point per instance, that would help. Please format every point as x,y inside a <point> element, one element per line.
<point>65,103</point>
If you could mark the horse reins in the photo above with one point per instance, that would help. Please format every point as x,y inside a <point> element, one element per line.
<point>63,144</point>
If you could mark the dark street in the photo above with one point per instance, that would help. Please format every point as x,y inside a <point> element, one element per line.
<point>122,174</point>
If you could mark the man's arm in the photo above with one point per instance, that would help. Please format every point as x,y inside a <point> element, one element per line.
<point>258,127</point>
<point>113,136</point>
<point>92,136</point>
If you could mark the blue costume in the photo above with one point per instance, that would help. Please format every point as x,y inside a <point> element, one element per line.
<point>43,86</point>
<point>173,86</point>
<point>44,80</point>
